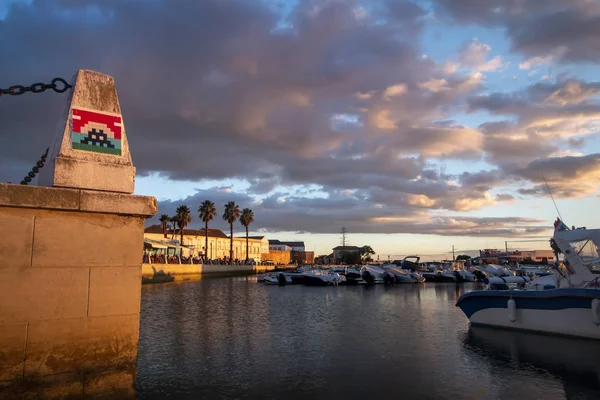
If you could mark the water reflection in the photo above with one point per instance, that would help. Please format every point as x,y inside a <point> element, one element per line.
<point>235,338</point>
<point>567,363</point>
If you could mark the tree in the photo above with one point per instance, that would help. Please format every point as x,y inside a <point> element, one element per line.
<point>174,221</point>
<point>463,257</point>
<point>246,219</point>
<point>184,217</point>
<point>231,214</point>
<point>365,253</point>
<point>164,224</point>
<point>207,212</point>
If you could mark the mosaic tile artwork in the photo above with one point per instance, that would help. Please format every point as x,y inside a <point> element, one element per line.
<point>93,131</point>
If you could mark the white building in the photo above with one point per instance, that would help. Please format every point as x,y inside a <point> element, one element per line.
<point>218,243</point>
<point>286,246</point>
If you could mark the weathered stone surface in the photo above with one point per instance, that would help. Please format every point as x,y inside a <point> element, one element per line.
<point>103,202</point>
<point>43,293</point>
<point>90,344</point>
<point>110,385</point>
<point>12,350</point>
<point>38,197</point>
<point>115,291</point>
<point>91,168</point>
<point>16,238</point>
<point>87,240</point>
<point>83,174</point>
<point>61,386</point>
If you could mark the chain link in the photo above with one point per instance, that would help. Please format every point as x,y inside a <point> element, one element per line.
<point>36,168</point>
<point>59,85</point>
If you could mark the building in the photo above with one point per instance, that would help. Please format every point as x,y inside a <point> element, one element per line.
<point>286,246</point>
<point>194,241</point>
<point>340,252</point>
<point>302,257</point>
<point>264,243</point>
<point>495,256</point>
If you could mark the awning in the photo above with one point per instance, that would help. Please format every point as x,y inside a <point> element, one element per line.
<point>154,245</point>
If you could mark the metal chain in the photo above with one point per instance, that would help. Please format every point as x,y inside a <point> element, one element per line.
<point>59,85</point>
<point>35,169</point>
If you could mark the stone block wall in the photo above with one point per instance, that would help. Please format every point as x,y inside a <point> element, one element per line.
<point>70,277</point>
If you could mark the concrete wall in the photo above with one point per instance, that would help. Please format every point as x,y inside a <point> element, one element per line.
<point>154,273</point>
<point>70,281</point>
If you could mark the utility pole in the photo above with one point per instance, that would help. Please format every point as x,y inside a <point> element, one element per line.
<point>506,246</point>
<point>453,258</point>
<point>344,239</point>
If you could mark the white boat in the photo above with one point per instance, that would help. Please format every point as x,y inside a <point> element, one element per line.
<point>372,274</point>
<point>565,303</point>
<point>497,270</point>
<point>463,275</point>
<point>280,279</point>
<point>400,275</point>
<point>322,278</point>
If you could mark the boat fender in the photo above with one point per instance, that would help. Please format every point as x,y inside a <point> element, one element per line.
<point>596,311</point>
<point>512,310</point>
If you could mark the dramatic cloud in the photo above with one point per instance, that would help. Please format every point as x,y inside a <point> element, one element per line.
<point>323,111</point>
<point>544,31</point>
<point>475,55</point>
<point>357,214</point>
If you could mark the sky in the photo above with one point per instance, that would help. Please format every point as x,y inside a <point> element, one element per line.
<point>416,125</point>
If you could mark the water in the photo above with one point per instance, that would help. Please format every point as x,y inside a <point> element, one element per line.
<point>237,339</point>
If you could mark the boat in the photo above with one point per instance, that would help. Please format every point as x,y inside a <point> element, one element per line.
<point>400,275</point>
<point>351,274</point>
<point>322,278</point>
<point>278,279</point>
<point>564,303</point>
<point>372,274</point>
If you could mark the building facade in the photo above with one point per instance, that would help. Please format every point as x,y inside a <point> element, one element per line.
<point>275,244</point>
<point>495,256</point>
<point>218,243</point>
<point>340,252</point>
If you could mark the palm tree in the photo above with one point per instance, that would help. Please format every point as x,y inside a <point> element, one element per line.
<point>207,212</point>
<point>246,219</point>
<point>231,214</point>
<point>164,224</point>
<point>184,216</point>
<point>174,221</point>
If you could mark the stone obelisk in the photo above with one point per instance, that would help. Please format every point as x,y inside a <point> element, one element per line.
<point>90,150</point>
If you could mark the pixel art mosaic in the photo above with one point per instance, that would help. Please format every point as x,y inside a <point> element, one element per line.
<point>93,131</point>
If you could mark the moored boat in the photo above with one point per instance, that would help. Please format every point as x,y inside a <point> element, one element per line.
<point>565,303</point>
<point>322,278</point>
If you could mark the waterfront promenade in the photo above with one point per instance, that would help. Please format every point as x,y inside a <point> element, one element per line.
<point>158,273</point>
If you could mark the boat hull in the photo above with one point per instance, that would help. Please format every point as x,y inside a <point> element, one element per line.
<point>568,312</point>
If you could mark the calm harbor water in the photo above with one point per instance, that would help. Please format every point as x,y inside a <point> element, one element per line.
<point>236,339</point>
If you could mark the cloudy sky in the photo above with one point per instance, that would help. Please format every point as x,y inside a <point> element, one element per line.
<point>417,125</point>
